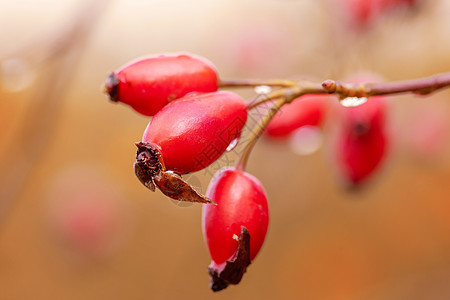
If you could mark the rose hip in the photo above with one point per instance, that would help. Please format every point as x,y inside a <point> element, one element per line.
<point>362,142</point>
<point>149,83</point>
<point>305,110</point>
<point>194,131</point>
<point>186,136</point>
<point>235,229</point>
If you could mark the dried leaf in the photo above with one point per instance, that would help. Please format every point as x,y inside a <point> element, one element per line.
<point>143,176</point>
<point>151,171</point>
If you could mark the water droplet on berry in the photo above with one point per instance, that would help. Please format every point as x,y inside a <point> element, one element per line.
<point>16,74</point>
<point>262,89</point>
<point>306,140</point>
<point>233,144</point>
<point>353,101</point>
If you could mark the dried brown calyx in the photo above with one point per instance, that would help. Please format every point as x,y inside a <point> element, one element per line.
<point>234,269</point>
<point>151,172</point>
<point>111,86</point>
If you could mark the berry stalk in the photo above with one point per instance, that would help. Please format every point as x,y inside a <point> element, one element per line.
<point>422,86</point>
<point>253,83</point>
<point>258,130</point>
<point>289,92</point>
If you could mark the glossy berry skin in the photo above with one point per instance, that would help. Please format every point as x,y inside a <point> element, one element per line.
<point>362,141</point>
<point>305,110</point>
<point>194,131</point>
<point>241,201</point>
<point>149,83</point>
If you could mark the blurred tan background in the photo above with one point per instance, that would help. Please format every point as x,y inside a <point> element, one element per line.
<point>75,223</point>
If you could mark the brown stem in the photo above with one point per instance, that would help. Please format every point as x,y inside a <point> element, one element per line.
<point>289,92</point>
<point>302,88</point>
<point>421,86</point>
<point>256,103</point>
<point>258,130</point>
<point>276,94</point>
<point>253,83</point>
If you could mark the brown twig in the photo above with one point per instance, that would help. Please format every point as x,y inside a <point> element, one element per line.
<point>422,86</point>
<point>288,92</point>
<point>257,131</point>
<point>253,83</point>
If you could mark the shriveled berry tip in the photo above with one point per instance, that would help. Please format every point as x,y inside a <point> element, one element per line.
<point>111,86</point>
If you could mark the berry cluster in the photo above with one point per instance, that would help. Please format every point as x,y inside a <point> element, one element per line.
<point>191,115</point>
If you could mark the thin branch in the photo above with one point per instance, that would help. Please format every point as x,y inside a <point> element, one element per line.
<point>257,132</point>
<point>291,93</point>
<point>288,92</point>
<point>254,83</point>
<point>276,94</point>
<point>422,86</point>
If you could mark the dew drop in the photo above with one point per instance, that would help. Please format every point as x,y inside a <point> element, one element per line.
<point>262,89</point>
<point>353,101</point>
<point>306,140</point>
<point>233,144</point>
<point>16,74</point>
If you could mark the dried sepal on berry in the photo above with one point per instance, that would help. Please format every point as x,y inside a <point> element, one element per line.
<point>151,172</point>
<point>173,186</point>
<point>111,87</point>
<point>232,271</point>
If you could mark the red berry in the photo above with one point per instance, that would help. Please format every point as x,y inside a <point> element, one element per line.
<point>194,131</point>
<point>364,12</point>
<point>305,110</point>
<point>362,141</point>
<point>149,83</point>
<point>241,205</point>
<point>86,214</point>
